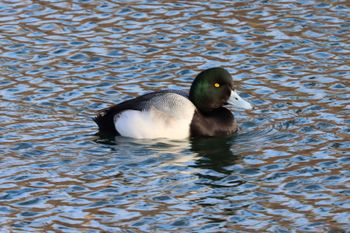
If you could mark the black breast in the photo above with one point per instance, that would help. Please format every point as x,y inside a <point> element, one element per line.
<point>219,122</point>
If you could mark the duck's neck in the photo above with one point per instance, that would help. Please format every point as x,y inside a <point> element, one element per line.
<point>218,122</point>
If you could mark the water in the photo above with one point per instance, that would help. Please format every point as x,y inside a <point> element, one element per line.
<point>286,171</point>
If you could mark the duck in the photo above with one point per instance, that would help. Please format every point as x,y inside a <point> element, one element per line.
<point>177,114</point>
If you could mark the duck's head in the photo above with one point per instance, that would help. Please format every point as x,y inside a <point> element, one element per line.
<point>213,88</point>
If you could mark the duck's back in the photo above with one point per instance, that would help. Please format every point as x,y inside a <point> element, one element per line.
<point>155,115</point>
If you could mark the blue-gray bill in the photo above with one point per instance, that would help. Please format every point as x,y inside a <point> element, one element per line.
<point>237,102</point>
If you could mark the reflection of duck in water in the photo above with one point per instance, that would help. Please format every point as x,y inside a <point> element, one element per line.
<point>177,114</point>
<point>214,153</point>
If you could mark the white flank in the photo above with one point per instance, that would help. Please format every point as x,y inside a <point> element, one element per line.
<point>169,116</point>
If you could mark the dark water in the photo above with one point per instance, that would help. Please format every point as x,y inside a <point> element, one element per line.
<point>288,169</point>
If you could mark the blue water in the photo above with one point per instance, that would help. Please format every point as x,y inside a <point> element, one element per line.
<point>287,169</point>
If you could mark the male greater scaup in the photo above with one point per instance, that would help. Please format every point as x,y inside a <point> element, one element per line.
<point>177,114</point>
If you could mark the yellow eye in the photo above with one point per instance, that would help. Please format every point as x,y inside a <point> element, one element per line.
<point>216,85</point>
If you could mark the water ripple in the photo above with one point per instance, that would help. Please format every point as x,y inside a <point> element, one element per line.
<point>286,170</point>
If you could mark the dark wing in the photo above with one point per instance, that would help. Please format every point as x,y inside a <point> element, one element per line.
<point>105,117</point>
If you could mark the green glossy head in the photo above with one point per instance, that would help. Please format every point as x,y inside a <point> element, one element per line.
<point>211,89</point>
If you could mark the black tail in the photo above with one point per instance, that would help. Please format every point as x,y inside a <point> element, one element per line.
<point>105,122</point>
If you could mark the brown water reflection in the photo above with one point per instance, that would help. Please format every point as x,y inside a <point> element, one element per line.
<point>286,171</point>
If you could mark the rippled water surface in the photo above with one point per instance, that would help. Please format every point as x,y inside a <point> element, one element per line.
<point>287,170</point>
